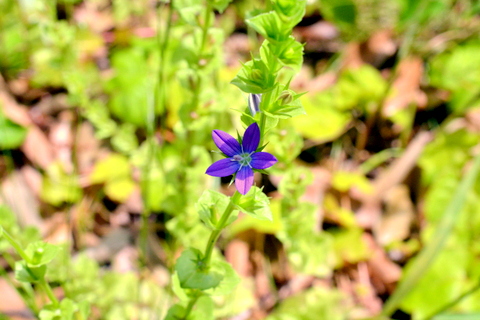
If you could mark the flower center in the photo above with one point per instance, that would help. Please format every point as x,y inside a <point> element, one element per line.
<point>244,159</point>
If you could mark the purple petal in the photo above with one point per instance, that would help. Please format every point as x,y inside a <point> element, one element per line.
<point>262,160</point>
<point>244,180</point>
<point>223,168</point>
<point>251,138</point>
<point>226,143</point>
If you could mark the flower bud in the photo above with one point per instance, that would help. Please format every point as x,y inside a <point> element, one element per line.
<point>254,103</point>
<point>285,98</point>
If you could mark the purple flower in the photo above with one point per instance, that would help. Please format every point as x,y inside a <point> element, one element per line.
<point>241,159</point>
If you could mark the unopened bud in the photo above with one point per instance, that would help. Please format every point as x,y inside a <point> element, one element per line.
<point>285,97</point>
<point>254,103</point>
<point>257,75</point>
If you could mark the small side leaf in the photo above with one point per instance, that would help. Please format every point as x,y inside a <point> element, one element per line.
<point>210,206</point>
<point>256,204</point>
<point>192,271</point>
<point>41,253</point>
<point>229,282</point>
<point>24,273</point>
<point>270,26</point>
<point>175,312</point>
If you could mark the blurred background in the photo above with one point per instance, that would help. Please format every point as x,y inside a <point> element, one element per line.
<point>106,113</point>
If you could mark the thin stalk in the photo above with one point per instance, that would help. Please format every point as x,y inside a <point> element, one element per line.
<point>190,305</point>
<point>48,290</point>
<point>263,118</point>
<point>263,121</point>
<point>212,241</point>
<point>427,256</point>
<point>454,302</point>
<point>163,43</point>
<point>16,246</point>
<point>220,226</point>
<point>196,88</point>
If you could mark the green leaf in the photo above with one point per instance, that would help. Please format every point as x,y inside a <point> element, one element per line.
<point>459,72</point>
<point>113,167</point>
<point>290,11</point>
<point>189,10</point>
<point>1,231</point>
<point>255,203</point>
<point>286,105</point>
<point>255,77</point>
<point>203,309</point>
<point>65,311</point>
<point>41,253</point>
<point>270,26</point>
<point>262,226</point>
<point>295,182</point>
<point>341,12</point>
<point>59,187</point>
<point>12,135</point>
<point>457,316</point>
<point>323,121</point>
<point>119,190</point>
<point>131,86</point>
<point>24,273</point>
<point>288,52</point>
<point>448,274</point>
<point>299,237</point>
<point>175,312</point>
<point>114,171</point>
<point>211,206</point>
<point>229,282</point>
<point>177,289</point>
<point>344,181</point>
<point>219,5</point>
<point>312,304</point>
<point>423,261</point>
<point>124,140</point>
<point>349,246</point>
<point>193,273</point>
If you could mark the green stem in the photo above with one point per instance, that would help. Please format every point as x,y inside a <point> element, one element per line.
<point>427,255</point>
<point>208,14</point>
<point>266,97</point>
<point>220,226</point>
<point>190,306</point>
<point>263,121</point>
<point>454,302</point>
<point>163,43</point>
<point>212,241</point>
<point>16,246</point>
<point>48,290</point>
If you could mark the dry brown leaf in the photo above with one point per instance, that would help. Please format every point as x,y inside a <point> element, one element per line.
<point>406,87</point>
<point>319,31</point>
<point>17,195</point>
<point>33,178</point>
<point>237,253</point>
<point>12,304</point>
<point>353,56</point>
<point>369,212</point>
<point>37,148</point>
<point>11,108</point>
<point>61,139</point>
<point>57,229</point>
<point>379,47</point>
<point>88,14</point>
<point>87,147</point>
<point>383,272</point>
<point>395,223</point>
